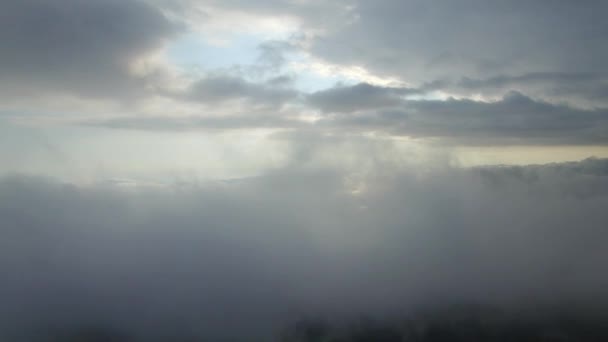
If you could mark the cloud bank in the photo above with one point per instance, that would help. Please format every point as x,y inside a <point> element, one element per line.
<point>466,74</point>
<point>87,48</point>
<point>236,260</point>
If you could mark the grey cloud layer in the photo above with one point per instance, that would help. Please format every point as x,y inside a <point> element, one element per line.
<point>548,49</point>
<point>217,89</point>
<point>588,90</point>
<point>359,97</point>
<point>513,119</point>
<point>420,40</point>
<point>234,260</point>
<point>553,53</point>
<point>76,46</point>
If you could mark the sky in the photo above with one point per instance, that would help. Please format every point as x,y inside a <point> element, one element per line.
<point>212,164</point>
<point>101,82</point>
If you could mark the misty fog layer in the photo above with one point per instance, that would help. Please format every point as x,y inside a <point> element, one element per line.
<point>238,259</point>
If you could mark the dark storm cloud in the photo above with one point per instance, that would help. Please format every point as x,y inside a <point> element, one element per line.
<point>76,46</point>
<point>237,259</point>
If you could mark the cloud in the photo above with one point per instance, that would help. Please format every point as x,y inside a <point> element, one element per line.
<point>230,122</point>
<point>522,44</point>
<point>221,88</point>
<point>358,97</point>
<point>582,89</point>
<point>514,119</point>
<point>468,73</point>
<point>75,46</point>
<point>422,41</point>
<point>236,259</point>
